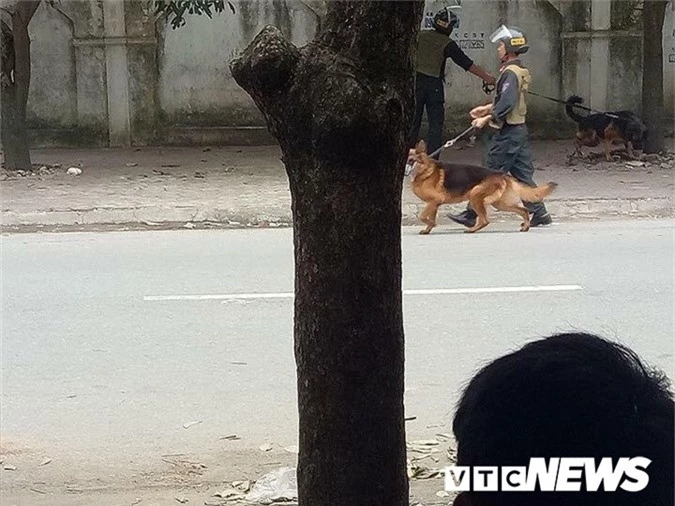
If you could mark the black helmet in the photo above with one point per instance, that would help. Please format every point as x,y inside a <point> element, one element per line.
<point>513,38</point>
<point>445,21</point>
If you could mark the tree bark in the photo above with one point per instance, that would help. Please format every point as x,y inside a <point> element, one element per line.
<point>653,17</point>
<point>15,86</point>
<point>340,109</point>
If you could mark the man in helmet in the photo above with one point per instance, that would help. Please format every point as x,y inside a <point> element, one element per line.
<point>509,149</point>
<point>433,49</point>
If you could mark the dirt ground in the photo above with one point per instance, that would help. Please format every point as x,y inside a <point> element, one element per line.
<point>242,187</point>
<point>31,478</point>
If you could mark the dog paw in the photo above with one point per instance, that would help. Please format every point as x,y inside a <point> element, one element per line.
<point>425,231</point>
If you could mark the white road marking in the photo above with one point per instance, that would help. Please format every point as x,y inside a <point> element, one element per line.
<point>428,291</point>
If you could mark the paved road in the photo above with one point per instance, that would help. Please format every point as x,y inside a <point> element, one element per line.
<point>102,372</point>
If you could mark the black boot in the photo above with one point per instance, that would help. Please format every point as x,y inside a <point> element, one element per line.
<point>539,219</point>
<point>466,218</point>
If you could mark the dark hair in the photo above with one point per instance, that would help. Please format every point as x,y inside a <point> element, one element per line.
<point>569,395</point>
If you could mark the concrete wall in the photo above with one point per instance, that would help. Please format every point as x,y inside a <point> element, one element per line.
<point>602,56</point>
<point>108,72</point>
<point>68,100</point>
<point>53,94</point>
<point>195,85</point>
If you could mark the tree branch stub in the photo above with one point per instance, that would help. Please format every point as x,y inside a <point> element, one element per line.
<point>265,70</point>
<point>345,97</point>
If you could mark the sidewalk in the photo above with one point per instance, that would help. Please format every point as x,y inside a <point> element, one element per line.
<point>239,187</point>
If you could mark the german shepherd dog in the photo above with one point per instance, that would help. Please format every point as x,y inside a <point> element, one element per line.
<point>619,126</point>
<point>445,183</point>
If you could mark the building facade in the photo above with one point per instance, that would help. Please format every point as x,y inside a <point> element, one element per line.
<point>112,73</point>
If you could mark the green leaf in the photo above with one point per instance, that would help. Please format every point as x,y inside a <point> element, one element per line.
<point>176,10</point>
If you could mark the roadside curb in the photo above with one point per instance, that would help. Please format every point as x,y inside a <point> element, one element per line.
<point>178,217</point>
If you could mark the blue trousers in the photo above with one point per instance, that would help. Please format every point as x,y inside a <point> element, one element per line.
<point>508,151</point>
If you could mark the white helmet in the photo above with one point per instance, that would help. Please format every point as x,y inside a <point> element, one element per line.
<point>513,38</point>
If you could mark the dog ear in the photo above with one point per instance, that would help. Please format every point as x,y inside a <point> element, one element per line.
<point>421,147</point>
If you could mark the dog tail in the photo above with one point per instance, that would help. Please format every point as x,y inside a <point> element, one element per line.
<point>536,194</point>
<point>569,109</point>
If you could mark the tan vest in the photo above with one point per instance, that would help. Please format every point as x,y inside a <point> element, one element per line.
<point>517,115</point>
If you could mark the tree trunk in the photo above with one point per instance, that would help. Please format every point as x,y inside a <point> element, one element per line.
<point>15,87</point>
<point>6,68</point>
<point>653,17</point>
<point>340,109</point>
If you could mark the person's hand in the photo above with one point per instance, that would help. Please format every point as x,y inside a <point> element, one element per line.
<point>480,122</point>
<point>490,79</point>
<point>480,111</point>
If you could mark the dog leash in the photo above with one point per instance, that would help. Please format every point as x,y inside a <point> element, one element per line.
<point>452,141</point>
<point>489,88</point>
<point>565,102</point>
